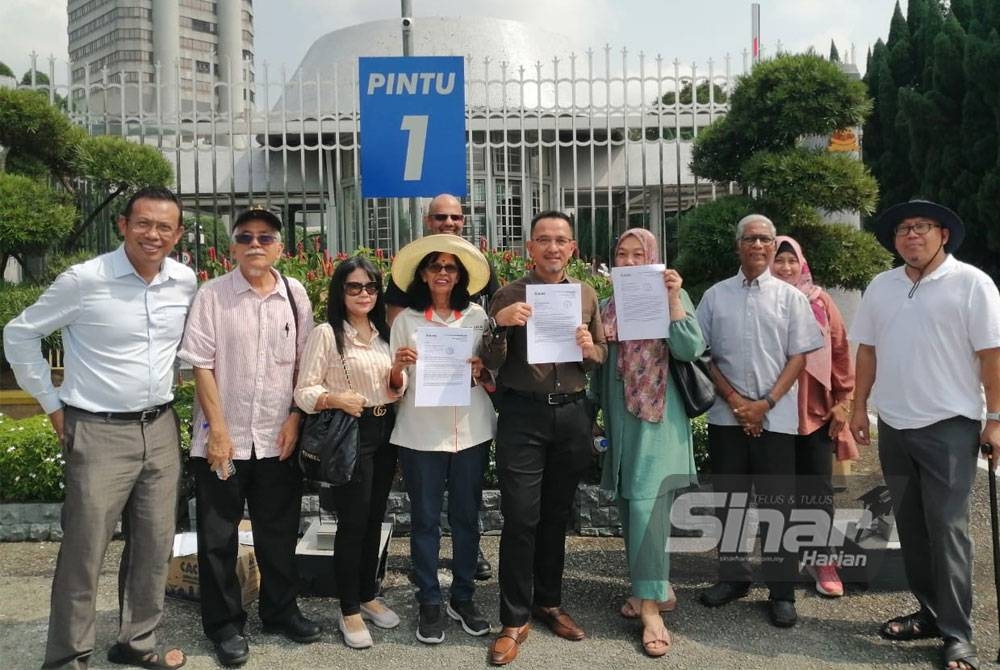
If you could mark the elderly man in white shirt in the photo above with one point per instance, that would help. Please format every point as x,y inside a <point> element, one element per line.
<point>759,329</point>
<point>243,338</point>
<point>928,336</point>
<point>122,317</point>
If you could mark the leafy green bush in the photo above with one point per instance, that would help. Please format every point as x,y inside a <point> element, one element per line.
<point>13,301</point>
<point>699,431</point>
<point>31,464</point>
<point>839,255</point>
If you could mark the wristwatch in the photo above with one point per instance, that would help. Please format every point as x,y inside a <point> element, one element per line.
<point>993,416</point>
<point>495,328</point>
<point>769,399</point>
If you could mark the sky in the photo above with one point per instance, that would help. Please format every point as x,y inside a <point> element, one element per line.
<point>691,31</point>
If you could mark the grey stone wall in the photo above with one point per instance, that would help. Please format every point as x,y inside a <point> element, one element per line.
<point>596,514</point>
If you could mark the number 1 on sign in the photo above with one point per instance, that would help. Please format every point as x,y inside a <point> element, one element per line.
<point>416,125</point>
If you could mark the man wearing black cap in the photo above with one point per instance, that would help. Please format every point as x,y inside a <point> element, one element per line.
<point>243,338</point>
<point>928,336</point>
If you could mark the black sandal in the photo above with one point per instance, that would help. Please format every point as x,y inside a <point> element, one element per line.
<point>914,626</point>
<point>960,652</point>
<point>152,660</point>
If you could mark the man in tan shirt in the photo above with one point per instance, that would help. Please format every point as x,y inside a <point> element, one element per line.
<point>543,441</point>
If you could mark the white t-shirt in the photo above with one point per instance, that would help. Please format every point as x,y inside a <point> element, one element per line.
<point>926,368</point>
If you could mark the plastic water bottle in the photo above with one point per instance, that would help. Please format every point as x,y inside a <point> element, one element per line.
<point>229,467</point>
<point>600,444</point>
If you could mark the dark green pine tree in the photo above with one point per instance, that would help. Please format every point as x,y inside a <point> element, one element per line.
<point>834,54</point>
<point>981,125</point>
<point>873,144</point>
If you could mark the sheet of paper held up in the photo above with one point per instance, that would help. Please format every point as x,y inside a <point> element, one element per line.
<point>555,313</point>
<point>444,373</point>
<point>640,302</point>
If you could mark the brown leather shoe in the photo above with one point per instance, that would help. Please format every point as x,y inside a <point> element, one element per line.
<point>559,622</point>
<point>506,645</point>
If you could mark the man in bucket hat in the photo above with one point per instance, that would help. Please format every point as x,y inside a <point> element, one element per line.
<point>928,336</point>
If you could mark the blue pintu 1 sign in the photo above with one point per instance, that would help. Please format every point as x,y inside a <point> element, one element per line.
<point>412,126</point>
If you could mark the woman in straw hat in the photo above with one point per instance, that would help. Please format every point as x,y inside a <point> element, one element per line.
<point>442,448</point>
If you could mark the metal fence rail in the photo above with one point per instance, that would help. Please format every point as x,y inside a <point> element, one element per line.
<point>605,136</point>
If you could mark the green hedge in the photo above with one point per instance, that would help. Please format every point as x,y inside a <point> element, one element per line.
<point>31,464</point>
<point>13,300</point>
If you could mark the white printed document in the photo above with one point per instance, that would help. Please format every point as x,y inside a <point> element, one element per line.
<point>444,373</point>
<point>555,313</point>
<point>640,302</point>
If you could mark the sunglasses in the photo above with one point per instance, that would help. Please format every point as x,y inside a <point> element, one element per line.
<point>450,268</point>
<point>445,217</point>
<point>263,240</point>
<point>355,288</point>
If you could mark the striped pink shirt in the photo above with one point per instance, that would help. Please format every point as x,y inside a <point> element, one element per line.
<point>321,370</point>
<point>250,342</point>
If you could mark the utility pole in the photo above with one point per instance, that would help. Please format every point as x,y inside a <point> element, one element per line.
<point>406,22</point>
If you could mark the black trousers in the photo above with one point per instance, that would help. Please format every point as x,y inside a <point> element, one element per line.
<point>813,476</point>
<point>542,453</point>
<point>272,492</point>
<point>360,506</point>
<point>763,467</point>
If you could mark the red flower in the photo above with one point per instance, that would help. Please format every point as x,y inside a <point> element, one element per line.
<point>311,276</point>
<point>378,254</point>
<point>507,257</point>
<point>316,242</point>
<point>212,254</point>
<point>341,256</point>
<point>203,274</point>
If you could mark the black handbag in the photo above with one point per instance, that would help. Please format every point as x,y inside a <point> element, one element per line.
<point>328,440</point>
<point>329,444</point>
<point>694,384</point>
<point>328,447</point>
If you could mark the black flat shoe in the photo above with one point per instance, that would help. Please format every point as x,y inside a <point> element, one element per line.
<point>233,651</point>
<point>296,628</point>
<point>782,613</point>
<point>723,593</point>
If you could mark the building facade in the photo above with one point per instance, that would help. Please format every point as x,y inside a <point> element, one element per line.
<point>152,57</point>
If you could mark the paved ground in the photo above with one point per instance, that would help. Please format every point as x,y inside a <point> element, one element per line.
<point>831,633</point>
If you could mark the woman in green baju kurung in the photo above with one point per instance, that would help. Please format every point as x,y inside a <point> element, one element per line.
<point>650,453</point>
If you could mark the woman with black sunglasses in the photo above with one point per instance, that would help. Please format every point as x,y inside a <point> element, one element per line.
<point>346,366</point>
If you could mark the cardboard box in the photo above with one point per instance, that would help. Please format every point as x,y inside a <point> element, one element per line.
<point>314,557</point>
<point>182,579</point>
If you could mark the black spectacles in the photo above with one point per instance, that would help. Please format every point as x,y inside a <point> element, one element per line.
<point>356,287</point>
<point>920,228</point>
<point>265,239</point>
<point>450,268</point>
<point>445,217</point>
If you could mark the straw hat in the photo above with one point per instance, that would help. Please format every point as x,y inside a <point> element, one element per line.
<point>405,264</point>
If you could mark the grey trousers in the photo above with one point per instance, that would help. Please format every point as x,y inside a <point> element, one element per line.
<point>930,472</point>
<point>114,469</point>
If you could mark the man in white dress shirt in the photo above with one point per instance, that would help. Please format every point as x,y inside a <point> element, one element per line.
<point>122,316</point>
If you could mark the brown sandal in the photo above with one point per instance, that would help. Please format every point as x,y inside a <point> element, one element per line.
<point>657,646</point>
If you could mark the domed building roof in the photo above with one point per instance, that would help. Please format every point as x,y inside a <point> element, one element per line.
<point>486,43</point>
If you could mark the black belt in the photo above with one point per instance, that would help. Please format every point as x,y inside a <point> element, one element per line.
<point>551,398</point>
<point>378,411</point>
<point>142,416</point>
